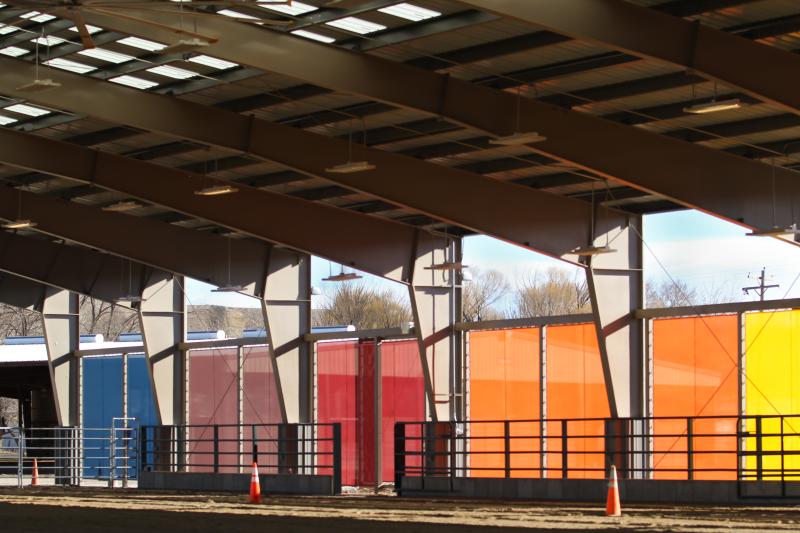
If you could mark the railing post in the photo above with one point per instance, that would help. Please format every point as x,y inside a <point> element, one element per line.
<point>216,448</point>
<point>759,451</point>
<point>254,440</point>
<point>564,451</point>
<point>399,455</point>
<point>337,458</point>
<point>142,448</point>
<point>507,446</point>
<point>690,448</point>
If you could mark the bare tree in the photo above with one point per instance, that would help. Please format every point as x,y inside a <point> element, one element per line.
<point>19,322</point>
<point>362,306</point>
<point>550,293</point>
<point>106,318</point>
<point>678,293</point>
<point>480,295</point>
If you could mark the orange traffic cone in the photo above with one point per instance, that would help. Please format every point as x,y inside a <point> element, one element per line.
<point>613,508</point>
<point>255,486</point>
<point>35,474</point>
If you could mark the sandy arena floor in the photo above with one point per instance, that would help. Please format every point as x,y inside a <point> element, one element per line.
<point>96,511</point>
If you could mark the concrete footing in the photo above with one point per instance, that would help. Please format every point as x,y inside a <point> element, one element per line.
<point>594,490</point>
<point>270,483</point>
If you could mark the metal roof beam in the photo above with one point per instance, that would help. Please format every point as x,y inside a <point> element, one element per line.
<point>380,247</point>
<point>645,32</point>
<point>516,214</point>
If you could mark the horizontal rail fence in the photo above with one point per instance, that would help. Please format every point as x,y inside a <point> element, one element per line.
<point>736,448</point>
<point>290,449</point>
<point>68,455</point>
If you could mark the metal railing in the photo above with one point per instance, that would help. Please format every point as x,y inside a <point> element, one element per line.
<point>290,449</point>
<point>69,455</point>
<point>739,448</point>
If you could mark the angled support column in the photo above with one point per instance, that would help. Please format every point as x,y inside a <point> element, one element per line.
<point>433,299</point>
<point>61,321</point>
<point>163,324</point>
<point>286,307</point>
<point>616,288</point>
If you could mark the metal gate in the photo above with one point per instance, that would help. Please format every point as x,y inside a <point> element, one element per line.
<point>74,456</point>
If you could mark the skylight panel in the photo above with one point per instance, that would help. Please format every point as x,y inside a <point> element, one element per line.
<point>5,121</point>
<point>37,16</point>
<point>48,40</point>
<point>356,25</point>
<point>142,44</point>
<point>13,51</point>
<point>294,9</point>
<point>213,62</point>
<point>6,29</point>
<point>2,5</point>
<point>91,29</point>
<point>25,109</point>
<point>314,36</point>
<point>235,14</point>
<point>106,55</point>
<point>72,66</point>
<point>173,72</point>
<point>133,81</point>
<point>410,12</point>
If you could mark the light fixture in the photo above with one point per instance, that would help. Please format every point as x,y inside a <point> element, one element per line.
<point>229,287</point>
<point>447,266</point>
<point>713,106</point>
<point>592,249</point>
<point>466,276</point>
<point>316,291</point>
<point>38,85</point>
<point>775,230</point>
<point>351,167</point>
<point>341,276</point>
<point>19,222</point>
<point>588,251</point>
<point>518,138</point>
<point>129,297</point>
<point>216,190</point>
<point>125,205</point>
<point>182,46</point>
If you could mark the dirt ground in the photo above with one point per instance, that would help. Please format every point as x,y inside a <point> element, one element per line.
<point>102,510</point>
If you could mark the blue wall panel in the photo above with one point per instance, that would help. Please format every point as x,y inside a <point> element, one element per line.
<point>102,401</point>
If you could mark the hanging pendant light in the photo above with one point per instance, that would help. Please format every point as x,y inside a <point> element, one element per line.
<point>519,138</point>
<point>38,85</point>
<point>592,249</point>
<point>19,222</point>
<point>350,166</point>
<point>341,276</point>
<point>130,297</point>
<point>712,106</point>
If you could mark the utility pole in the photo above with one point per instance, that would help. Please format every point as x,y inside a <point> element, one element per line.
<point>761,288</point>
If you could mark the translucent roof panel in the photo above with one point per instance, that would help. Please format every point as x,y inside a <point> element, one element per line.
<point>142,44</point>
<point>5,121</point>
<point>26,109</point>
<point>213,62</point>
<point>314,36</point>
<point>13,51</point>
<point>294,9</point>
<point>133,81</point>
<point>72,66</point>
<point>410,12</point>
<point>106,55</point>
<point>356,25</point>
<point>173,72</point>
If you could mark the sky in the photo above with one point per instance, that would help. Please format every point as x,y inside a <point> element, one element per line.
<point>706,253</point>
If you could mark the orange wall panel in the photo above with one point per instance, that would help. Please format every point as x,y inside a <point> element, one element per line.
<point>504,385</point>
<point>695,373</point>
<point>575,389</point>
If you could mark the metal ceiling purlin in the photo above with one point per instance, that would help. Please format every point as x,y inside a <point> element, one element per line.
<point>584,140</point>
<point>380,247</point>
<point>646,32</point>
<point>509,212</point>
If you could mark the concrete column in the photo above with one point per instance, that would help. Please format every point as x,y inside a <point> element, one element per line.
<point>286,306</point>
<point>61,323</point>
<point>616,288</point>
<point>435,308</point>
<point>163,324</point>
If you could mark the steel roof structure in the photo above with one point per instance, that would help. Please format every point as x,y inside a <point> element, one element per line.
<point>548,125</point>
